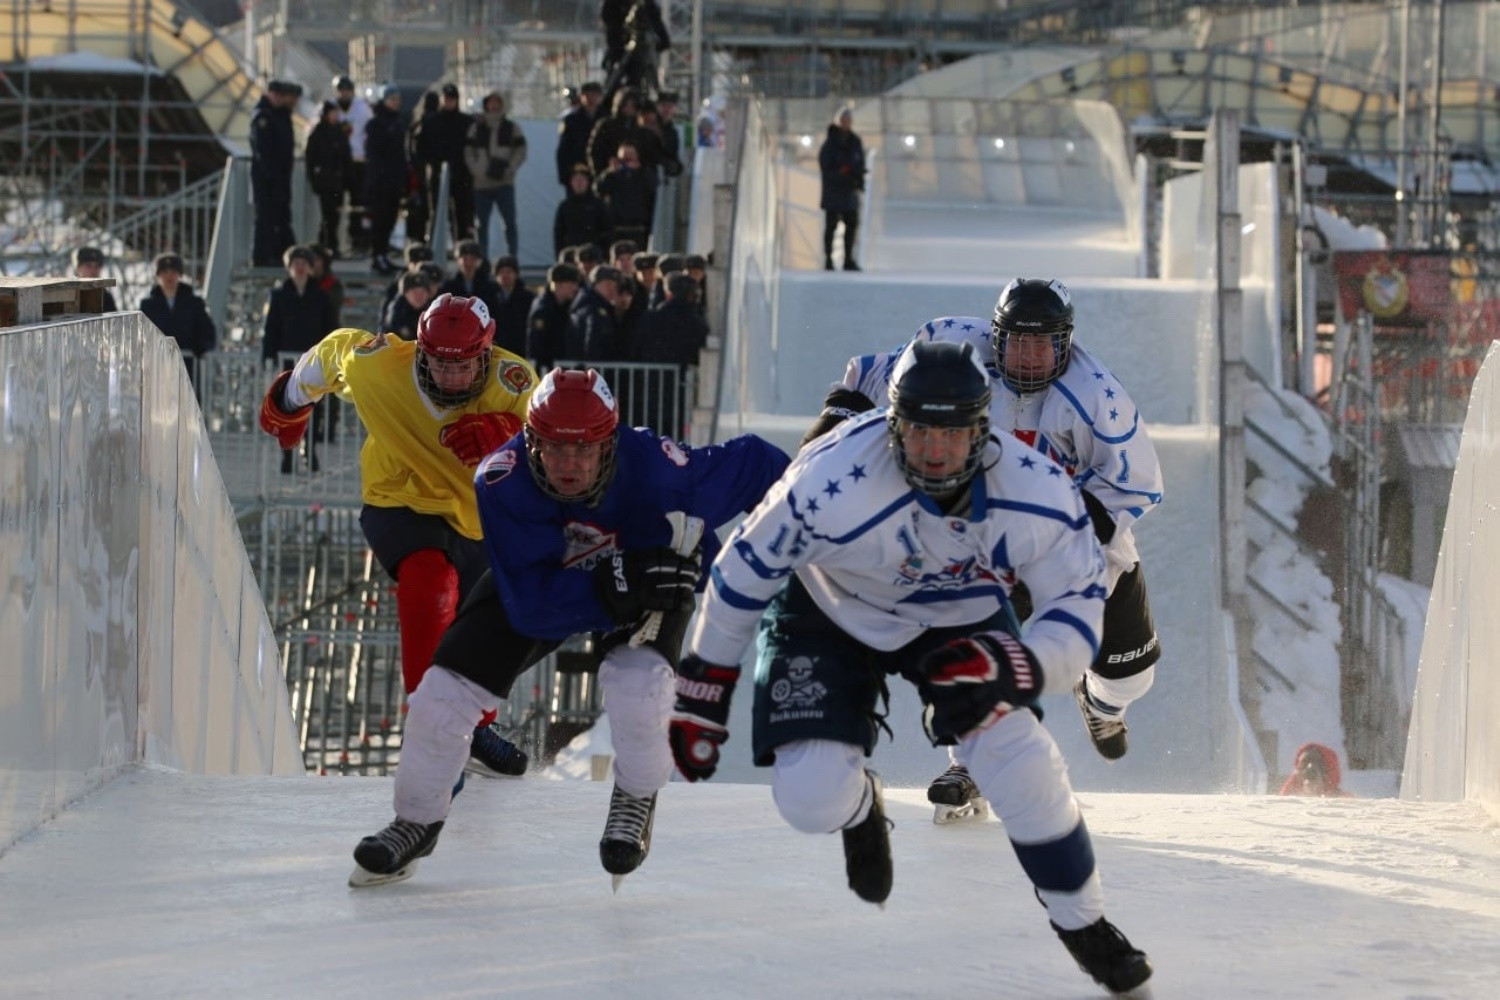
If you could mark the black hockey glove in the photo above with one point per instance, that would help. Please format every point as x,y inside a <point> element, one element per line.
<point>838,406</point>
<point>700,718</point>
<point>632,583</point>
<point>969,684</point>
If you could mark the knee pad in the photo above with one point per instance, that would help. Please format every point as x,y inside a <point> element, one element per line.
<point>639,690</point>
<point>435,743</point>
<point>426,601</point>
<point>819,785</point>
<point>1019,769</point>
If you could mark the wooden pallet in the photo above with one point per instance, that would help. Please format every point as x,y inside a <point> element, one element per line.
<point>32,300</point>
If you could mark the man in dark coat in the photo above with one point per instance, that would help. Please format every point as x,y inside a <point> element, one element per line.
<point>298,315</point>
<point>594,335</point>
<point>629,193</point>
<point>472,279</point>
<point>88,262</point>
<point>179,312</point>
<point>671,335</point>
<point>841,160</point>
<point>329,163</point>
<point>405,310</point>
<point>547,326</point>
<point>512,306</point>
<point>271,153</point>
<point>446,134</point>
<point>385,173</point>
<point>573,132</point>
<point>580,217</point>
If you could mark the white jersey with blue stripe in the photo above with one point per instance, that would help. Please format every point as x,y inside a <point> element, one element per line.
<point>885,564</point>
<point>1085,421</point>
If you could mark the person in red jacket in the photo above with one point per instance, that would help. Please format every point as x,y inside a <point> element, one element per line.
<point>1315,772</point>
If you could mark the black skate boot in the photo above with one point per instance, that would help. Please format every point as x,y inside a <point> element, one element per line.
<point>392,854</point>
<point>867,851</point>
<point>627,834</point>
<point>955,797</point>
<point>492,755</point>
<point>1107,731</point>
<point>1103,952</point>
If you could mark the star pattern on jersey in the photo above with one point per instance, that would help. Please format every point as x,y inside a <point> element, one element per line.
<point>1114,414</point>
<point>832,489</point>
<point>1055,470</point>
<point>812,505</point>
<point>1027,462</point>
<point>857,473</point>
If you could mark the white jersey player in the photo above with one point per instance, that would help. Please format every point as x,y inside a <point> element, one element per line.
<point>1060,399</point>
<point>890,547</point>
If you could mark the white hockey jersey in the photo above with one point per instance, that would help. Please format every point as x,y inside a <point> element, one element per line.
<point>885,564</point>
<point>1085,421</point>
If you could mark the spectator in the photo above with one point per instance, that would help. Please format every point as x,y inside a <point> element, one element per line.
<point>354,115</point>
<point>496,149</point>
<point>573,133</point>
<point>1315,772</point>
<point>421,172</point>
<point>472,280</point>
<point>696,266</point>
<point>329,163</point>
<point>405,310</point>
<point>671,139</point>
<point>670,335</point>
<point>385,173</point>
<point>587,257</point>
<point>271,154</point>
<point>322,273</point>
<point>711,123</point>
<point>547,326</point>
<point>651,291</point>
<point>637,67</point>
<point>580,217</point>
<point>88,262</point>
<point>417,254</point>
<point>841,161</point>
<point>447,139</point>
<point>611,130</point>
<point>179,312</point>
<point>298,315</point>
<point>594,334</point>
<point>629,196</point>
<point>512,306</point>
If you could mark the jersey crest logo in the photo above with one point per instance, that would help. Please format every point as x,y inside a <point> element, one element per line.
<point>499,465</point>
<point>585,544</point>
<point>674,452</point>
<point>515,375</point>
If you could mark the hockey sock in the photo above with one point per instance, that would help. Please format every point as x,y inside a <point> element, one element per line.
<point>426,601</point>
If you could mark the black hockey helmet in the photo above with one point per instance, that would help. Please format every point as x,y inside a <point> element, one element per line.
<point>939,384</point>
<point>1033,307</point>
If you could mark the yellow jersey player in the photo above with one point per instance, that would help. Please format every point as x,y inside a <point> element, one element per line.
<point>433,409</point>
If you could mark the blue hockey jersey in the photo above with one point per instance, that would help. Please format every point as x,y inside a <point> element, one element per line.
<point>541,549</point>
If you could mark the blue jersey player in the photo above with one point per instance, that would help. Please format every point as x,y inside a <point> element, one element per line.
<point>575,513</point>
<point>890,547</point>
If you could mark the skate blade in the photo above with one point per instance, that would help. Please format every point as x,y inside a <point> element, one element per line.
<point>1141,992</point>
<point>615,881</point>
<point>363,878</point>
<point>973,811</point>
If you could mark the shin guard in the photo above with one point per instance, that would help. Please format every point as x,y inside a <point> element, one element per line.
<point>426,601</point>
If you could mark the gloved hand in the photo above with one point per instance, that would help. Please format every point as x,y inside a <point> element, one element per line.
<point>286,426</point>
<point>636,581</point>
<point>474,435</point>
<point>700,717</point>
<point>969,684</point>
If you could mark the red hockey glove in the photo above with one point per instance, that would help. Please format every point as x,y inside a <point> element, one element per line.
<point>700,718</point>
<point>286,426</point>
<point>474,435</point>
<point>969,684</point>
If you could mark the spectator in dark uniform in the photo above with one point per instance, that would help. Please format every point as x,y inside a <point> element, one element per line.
<point>841,162</point>
<point>329,163</point>
<point>447,136</point>
<point>580,217</point>
<point>298,315</point>
<point>587,257</point>
<point>422,169</point>
<point>629,195</point>
<point>417,254</point>
<point>354,114</point>
<point>696,266</point>
<point>512,306</point>
<point>651,291</point>
<point>573,133</point>
<point>673,335</point>
<point>88,262</point>
<point>179,312</point>
<point>594,336</point>
<point>612,14</point>
<point>547,326</point>
<point>385,173</point>
<point>472,278</point>
<point>611,130</point>
<point>272,148</point>
<point>401,316</point>
<point>671,138</point>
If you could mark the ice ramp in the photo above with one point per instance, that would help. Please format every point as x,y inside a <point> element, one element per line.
<point>166,884</point>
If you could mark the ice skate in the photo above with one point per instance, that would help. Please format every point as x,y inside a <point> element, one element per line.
<point>1104,953</point>
<point>955,798</point>
<point>627,834</point>
<point>392,854</point>
<point>867,851</point>
<point>493,756</point>
<point>1107,731</point>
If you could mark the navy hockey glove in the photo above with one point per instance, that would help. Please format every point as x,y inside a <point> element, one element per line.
<point>700,718</point>
<point>969,684</point>
<point>631,583</point>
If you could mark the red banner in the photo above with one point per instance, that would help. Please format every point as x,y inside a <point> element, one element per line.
<point>1396,287</point>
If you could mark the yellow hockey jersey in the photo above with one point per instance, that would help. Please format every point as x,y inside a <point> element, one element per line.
<point>402,463</point>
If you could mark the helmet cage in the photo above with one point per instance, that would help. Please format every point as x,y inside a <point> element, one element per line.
<point>572,407</point>
<point>1032,307</point>
<point>941,384</point>
<point>454,328</point>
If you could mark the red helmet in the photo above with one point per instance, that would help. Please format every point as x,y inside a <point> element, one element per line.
<point>572,407</point>
<point>454,328</point>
